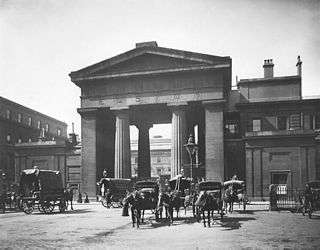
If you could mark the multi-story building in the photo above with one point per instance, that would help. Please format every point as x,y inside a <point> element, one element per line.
<point>263,131</point>
<point>270,133</point>
<point>20,125</point>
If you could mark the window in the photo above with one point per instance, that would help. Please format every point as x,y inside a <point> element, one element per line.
<point>19,118</point>
<point>58,132</point>
<point>158,159</point>
<point>256,125</point>
<point>8,114</point>
<point>29,121</point>
<point>8,138</point>
<point>295,121</point>
<point>29,140</point>
<point>38,124</point>
<point>282,122</point>
<point>47,127</point>
<point>19,140</point>
<point>231,128</point>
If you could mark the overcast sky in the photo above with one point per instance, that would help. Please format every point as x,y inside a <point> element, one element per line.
<point>41,41</point>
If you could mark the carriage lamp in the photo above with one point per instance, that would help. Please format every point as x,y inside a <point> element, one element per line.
<point>192,149</point>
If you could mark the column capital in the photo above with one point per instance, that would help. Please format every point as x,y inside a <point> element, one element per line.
<point>214,104</point>
<point>143,125</point>
<point>121,112</point>
<point>178,106</point>
<point>88,112</point>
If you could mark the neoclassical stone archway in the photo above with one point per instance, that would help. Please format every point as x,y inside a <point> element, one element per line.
<point>145,86</point>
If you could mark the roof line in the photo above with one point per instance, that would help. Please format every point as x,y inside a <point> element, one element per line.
<point>32,110</point>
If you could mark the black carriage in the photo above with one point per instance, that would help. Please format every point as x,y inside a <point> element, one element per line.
<point>41,188</point>
<point>113,191</point>
<point>149,190</point>
<point>183,189</point>
<point>239,189</point>
<point>311,199</point>
<point>180,184</point>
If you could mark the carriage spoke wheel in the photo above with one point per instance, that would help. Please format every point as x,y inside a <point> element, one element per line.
<point>116,204</point>
<point>47,206</point>
<point>28,206</point>
<point>105,203</point>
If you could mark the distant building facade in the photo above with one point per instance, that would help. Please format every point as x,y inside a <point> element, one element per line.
<point>160,154</point>
<point>19,126</point>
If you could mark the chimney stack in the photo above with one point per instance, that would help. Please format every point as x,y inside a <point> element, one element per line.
<point>299,68</point>
<point>268,68</point>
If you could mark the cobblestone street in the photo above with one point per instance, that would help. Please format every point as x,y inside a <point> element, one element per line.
<point>95,227</point>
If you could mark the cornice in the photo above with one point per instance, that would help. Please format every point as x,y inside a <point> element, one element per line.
<point>79,79</point>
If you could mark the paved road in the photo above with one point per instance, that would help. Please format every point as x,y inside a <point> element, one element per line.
<point>95,227</point>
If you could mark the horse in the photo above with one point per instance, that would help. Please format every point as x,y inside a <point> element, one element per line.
<point>229,197</point>
<point>68,196</point>
<point>177,201</point>
<point>165,201</point>
<point>207,201</point>
<point>190,200</point>
<point>139,201</point>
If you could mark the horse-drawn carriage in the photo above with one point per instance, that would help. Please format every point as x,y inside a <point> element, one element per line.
<point>113,191</point>
<point>144,197</point>
<point>41,188</point>
<point>235,192</point>
<point>311,199</point>
<point>210,199</point>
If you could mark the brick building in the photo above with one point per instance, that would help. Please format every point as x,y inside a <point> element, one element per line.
<point>19,126</point>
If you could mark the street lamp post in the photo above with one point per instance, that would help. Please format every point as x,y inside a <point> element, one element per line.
<point>192,148</point>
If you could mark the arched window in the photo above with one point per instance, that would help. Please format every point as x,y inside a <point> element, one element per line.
<point>19,118</point>
<point>8,138</point>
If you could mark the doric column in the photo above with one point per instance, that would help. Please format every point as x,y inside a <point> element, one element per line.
<point>214,158</point>
<point>122,166</point>
<point>88,151</point>
<point>179,155</point>
<point>144,164</point>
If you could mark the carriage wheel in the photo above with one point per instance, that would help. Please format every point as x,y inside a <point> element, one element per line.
<point>28,206</point>
<point>105,203</point>
<point>116,204</point>
<point>47,206</point>
<point>40,208</point>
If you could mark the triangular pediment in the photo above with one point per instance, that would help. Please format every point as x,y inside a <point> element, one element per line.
<point>148,62</point>
<point>148,59</point>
